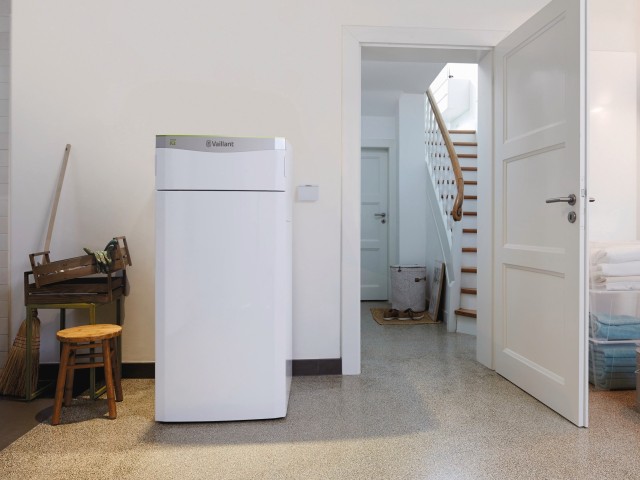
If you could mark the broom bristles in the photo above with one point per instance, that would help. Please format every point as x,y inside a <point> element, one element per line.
<point>12,381</point>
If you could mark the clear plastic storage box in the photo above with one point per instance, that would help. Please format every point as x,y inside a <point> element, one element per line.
<point>614,336</point>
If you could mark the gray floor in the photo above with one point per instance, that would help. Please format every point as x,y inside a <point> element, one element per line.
<point>17,418</point>
<point>422,409</point>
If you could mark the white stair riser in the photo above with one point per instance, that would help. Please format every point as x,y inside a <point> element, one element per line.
<point>469,221</point>
<point>468,301</point>
<point>470,175</point>
<point>471,189</point>
<point>469,280</point>
<point>465,325</point>
<point>469,240</point>
<point>470,205</point>
<point>468,162</point>
<point>463,137</point>
<point>469,259</point>
<point>465,149</point>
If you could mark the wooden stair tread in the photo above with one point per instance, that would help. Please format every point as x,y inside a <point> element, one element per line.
<point>467,155</point>
<point>469,269</point>
<point>469,230</point>
<point>470,197</point>
<point>462,131</point>
<point>470,182</point>
<point>467,312</point>
<point>470,249</point>
<point>469,291</point>
<point>466,144</point>
<point>470,214</point>
<point>469,169</point>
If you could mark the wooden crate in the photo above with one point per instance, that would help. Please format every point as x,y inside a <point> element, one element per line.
<point>98,289</point>
<point>47,272</point>
<point>77,279</point>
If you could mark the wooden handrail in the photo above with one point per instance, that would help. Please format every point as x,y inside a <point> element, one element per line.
<point>456,211</point>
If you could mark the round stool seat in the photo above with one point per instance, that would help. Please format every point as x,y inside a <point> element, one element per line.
<point>89,333</point>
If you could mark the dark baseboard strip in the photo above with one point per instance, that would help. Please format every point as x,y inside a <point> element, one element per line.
<point>321,366</point>
<point>49,371</point>
<point>139,370</point>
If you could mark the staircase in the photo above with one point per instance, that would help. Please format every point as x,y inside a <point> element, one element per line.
<point>466,147</point>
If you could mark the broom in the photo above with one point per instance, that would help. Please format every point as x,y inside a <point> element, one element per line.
<point>12,378</point>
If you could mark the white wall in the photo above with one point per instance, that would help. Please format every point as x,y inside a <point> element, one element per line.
<point>377,127</point>
<point>469,119</point>
<point>108,77</point>
<point>613,127</point>
<point>412,191</point>
<point>5,24</point>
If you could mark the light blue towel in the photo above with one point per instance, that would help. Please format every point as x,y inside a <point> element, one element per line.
<point>612,367</point>
<point>613,384</point>
<point>600,367</point>
<point>614,327</point>
<point>626,350</point>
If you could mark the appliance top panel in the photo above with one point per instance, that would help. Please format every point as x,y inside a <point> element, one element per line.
<point>257,170</point>
<point>212,143</point>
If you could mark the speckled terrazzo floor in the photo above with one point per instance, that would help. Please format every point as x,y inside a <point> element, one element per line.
<point>422,409</point>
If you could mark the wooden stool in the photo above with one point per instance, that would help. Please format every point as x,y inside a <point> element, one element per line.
<point>82,338</point>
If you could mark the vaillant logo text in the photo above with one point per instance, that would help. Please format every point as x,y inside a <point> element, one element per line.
<point>219,143</point>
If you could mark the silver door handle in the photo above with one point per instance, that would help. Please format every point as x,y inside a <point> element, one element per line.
<point>380,215</point>
<point>571,199</point>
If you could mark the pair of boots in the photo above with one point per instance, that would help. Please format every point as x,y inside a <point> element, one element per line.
<point>408,314</point>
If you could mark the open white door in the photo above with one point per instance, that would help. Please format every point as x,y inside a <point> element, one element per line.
<point>539,294</point>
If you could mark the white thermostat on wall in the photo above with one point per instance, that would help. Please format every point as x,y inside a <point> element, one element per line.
<point>308,193</point>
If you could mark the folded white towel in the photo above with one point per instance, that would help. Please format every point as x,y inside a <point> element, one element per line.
<point>611,286</point>
<point>616,269</point>
<point>601,282</point>
<point>630,278</point>
<point>616,254</point>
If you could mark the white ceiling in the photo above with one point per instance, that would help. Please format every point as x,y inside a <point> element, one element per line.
<point>387,72</point>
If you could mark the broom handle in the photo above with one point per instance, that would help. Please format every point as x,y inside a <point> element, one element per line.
<point>54,208</point>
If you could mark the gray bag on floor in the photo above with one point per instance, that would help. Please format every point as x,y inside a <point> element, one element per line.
<point>408,287</point>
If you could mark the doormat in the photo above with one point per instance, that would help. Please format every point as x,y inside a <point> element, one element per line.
<point>378,316</point>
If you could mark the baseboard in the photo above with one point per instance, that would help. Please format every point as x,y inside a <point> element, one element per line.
<point>139,370</point>
<point>321,366</point>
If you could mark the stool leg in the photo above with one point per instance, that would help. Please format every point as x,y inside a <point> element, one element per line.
<point>108,378</point>
<point>92,371</point>
<point>62,374</point>
<point>117,373</point>
<point>68,386</point>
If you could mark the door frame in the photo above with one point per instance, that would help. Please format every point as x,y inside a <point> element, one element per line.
<point>392,195</point>
<point>353,39</point>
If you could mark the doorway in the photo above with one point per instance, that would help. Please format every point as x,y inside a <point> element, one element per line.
<point>353,42</point>
<point>439,46</point>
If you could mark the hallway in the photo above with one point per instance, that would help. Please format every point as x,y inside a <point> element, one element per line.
<point>422,409</point>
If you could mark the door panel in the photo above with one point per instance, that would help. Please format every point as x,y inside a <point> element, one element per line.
<point>534,70</point>
<point>374,227</point>
<point>540,340</point>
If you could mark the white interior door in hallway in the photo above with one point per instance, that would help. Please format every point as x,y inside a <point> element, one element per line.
<point>539,290</point>
<point>374,243</point>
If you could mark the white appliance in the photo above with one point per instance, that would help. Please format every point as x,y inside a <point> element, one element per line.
<point>223,278</point>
